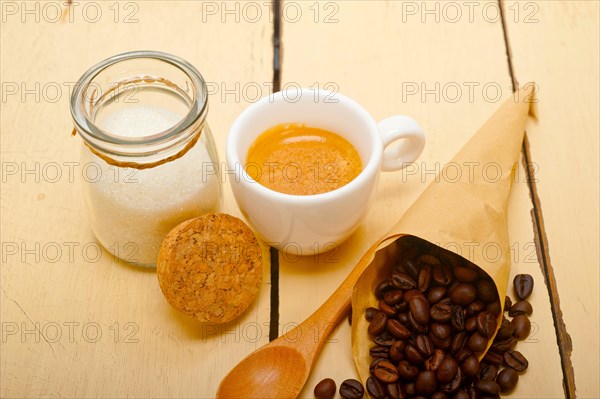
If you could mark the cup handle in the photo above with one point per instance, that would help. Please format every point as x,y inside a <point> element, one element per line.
<point>412,142</point>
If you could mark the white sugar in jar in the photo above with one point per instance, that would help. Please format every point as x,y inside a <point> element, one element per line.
<point>148,154</point>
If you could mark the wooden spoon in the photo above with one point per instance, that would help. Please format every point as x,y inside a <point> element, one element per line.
<point>280,368</point>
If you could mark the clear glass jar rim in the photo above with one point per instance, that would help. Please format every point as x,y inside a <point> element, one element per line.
<point>198,108</point>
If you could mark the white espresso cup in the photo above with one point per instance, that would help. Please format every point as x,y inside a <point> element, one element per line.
<point>311,224</point>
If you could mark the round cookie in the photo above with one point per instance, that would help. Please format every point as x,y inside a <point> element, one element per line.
<point>210,267</point>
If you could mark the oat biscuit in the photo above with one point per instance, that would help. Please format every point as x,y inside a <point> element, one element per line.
<point>210,267</point>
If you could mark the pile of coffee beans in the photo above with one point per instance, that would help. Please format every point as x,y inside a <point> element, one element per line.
<point>435,316</point>
<point>350,389</point>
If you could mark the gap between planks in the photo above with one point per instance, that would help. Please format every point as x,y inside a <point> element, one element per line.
<point>565,345</point>
<point>274,314</point>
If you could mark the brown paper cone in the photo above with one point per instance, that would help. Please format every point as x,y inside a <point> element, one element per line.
<point>464,211</point>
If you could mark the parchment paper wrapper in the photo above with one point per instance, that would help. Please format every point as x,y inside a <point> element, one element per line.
<point>463,212</point>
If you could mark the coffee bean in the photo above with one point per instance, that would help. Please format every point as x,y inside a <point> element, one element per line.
<point>419,308</point>
<point>504,345</point>
<point>523,284</point>
<point>441,330</point>
<point>522,326</point>
<point>438,395</point>
<point>403,317</point>
<point>488,372</point>
<point>458,318</point>
<point>403,281</point>
<point>487,290</point>
<point>477,342</point>
<point>407,371</point>
<point>401,306</point>
<point>458,342</point>
<point>463,294</point>
<point>442,275</point>
<point>453,385</point>
<point>465,274</point>
<point>516,360</point>
<point>470,366</point>
<point>473,394</point>
<point>370,312</point>
<point>447,370</point>
<point>413,355</point>
<point>493,358</point>
<point>506,329</point>
<point>429,259</point>
<point>426,383</point>
<point>424,345</point>
<point>471,323</point>
<point>424,279</point>
<point>397,351</point>
<point>379,351</point>
<point>436,294</point>
<point>507,380</point>
<point>520,308</point>
<point>441,312</point>
<point>461,394</point>
<point>462,355</point>
<point>383,287</point>
<point>433,363</point>
<point>397,329</point>
<point>494,308</point>
<point>408,295</point>
<point>386,309</point>
<point>507,303</point>
<point>409,267</point>
<point>325,389</point>
<point>393,297</point>
<point>352,389</point>
<point>488,387</point>
<point>410,389</point>
<point>378,323</point>
<point>384,339</point>
<point>475,307</point>
<point>375,362</point>
<point>395,391</point>
<point>415,325</point>
<point>486,324</point>
<point>386,372</point>
<point>441,343</point>
<point>375,388</point>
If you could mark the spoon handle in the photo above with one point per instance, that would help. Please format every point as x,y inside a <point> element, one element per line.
<point>311,334</point>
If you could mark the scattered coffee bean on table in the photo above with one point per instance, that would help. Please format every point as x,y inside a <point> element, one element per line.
<point>436,315</point>
<point>352,389</point>
<point>523,284</point>
<point>325,389</point>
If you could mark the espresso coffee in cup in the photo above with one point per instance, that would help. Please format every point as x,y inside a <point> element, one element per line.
<point>296,159</point>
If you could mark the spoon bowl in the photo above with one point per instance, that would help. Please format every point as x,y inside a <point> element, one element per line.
<point>265,381</point>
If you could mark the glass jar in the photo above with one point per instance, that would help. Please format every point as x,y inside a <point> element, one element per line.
<point>148,158</point>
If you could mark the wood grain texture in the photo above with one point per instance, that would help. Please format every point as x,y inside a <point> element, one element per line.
<point>409,63</point>
<point>80,324</point>
<point>558,47</point>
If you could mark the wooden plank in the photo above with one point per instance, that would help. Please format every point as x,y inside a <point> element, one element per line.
<point>421,64</point>
<point>145,349</point>
<point>557,45</point>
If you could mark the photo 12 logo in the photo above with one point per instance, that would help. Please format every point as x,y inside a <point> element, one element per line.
<point>52,12</point>
<point>453,12</point>
<point>255,11</point>
<point>64,332</point>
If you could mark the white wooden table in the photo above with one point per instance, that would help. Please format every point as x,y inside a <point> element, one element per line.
<point>77,323</point>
